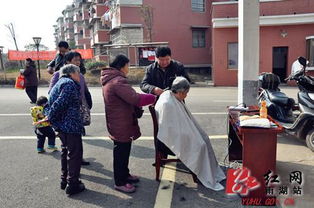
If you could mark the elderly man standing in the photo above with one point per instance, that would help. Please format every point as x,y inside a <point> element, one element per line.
<point>179,130</point>
<point>161,74</point>
<point>64,115</point>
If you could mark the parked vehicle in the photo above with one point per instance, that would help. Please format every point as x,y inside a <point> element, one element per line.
<point>297,119</point>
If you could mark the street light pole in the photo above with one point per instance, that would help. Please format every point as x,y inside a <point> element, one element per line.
<point>2,66</point>
<point>37,42</point>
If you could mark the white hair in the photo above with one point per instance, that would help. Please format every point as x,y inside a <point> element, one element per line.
<point>68,69</point>
<point>180,84</point>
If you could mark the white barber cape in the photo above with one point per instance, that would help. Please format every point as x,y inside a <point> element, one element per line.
<point>180,132</point>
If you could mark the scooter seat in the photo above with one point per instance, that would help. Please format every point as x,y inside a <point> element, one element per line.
<point>278,98</point>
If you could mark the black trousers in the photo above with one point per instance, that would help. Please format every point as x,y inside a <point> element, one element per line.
<point>32,93</point>
<point>121,154</point>
<point>71,157</point>
<point>44,132</point>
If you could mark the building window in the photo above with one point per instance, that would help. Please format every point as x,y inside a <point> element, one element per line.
<point>198,37</point>
<point>232,55</point>
<point>198,5</point>
<point>310,50</point>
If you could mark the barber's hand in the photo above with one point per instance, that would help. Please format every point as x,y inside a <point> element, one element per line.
<point>50,70</point>
<point>157,91</point>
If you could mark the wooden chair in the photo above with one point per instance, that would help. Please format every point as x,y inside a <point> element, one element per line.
<point>159,156</point>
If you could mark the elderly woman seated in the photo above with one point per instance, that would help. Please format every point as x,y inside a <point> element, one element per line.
<point>180,132</point>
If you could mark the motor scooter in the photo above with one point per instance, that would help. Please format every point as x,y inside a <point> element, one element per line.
<point>297,119</point>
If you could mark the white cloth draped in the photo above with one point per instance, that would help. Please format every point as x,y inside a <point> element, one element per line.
<point>180,132</point>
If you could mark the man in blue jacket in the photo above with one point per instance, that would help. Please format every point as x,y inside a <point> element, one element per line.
<point>64,114</point>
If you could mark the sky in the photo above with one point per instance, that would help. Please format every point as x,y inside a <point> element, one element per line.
<point>30,18</point>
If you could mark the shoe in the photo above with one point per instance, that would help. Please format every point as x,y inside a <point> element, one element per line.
<point>52,147</point>
<point>84,162</point>
<point>133,179</point>
<point>127,188</point>
<point>41,150</point>
<point>63,185</point>
<point>72,189</point>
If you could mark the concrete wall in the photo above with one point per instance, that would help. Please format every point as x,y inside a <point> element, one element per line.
<point>127,35</point>
<point>266,8</point>
<point>172,23</point>
<point>269,37</point>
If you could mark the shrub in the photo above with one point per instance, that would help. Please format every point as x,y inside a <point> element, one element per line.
<point>95,65</point>
<point>12,66</point>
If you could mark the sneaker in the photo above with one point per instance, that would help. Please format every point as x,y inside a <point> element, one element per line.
<point>52,147</point>
<point>133,179</point>
<point>84,162</point>
<point>72,189</point>
<point>127,188</point>
<point>63,185</point>
<point>41,150</point>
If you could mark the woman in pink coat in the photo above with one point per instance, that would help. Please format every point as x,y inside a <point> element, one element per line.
<point>120,102</point>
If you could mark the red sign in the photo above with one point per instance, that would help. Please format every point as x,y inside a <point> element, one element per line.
<point>240,181</point>
<point>44,55</point>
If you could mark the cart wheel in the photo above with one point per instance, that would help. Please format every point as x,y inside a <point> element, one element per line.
<point>310,140</point>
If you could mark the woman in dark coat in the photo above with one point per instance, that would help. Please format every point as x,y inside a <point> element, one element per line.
<point>63,112</point>
<point>31,81</point>
<point>120,101</point>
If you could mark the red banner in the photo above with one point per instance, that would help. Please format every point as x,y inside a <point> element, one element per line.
<point>44,55</point>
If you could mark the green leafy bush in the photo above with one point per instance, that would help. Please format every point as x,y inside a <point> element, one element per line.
<point>95,65</point>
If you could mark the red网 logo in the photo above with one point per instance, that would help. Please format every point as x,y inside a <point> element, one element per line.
<point>240,181</point>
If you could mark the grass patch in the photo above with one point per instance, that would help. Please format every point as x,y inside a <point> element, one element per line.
<point>92,77</point>
<point>135,76</point>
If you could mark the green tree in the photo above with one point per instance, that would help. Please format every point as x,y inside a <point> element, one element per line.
<point>32,47</point>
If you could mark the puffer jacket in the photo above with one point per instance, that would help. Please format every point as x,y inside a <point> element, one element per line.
<point>30,75</point>
<point>120,99</point>
<point>63,109</point>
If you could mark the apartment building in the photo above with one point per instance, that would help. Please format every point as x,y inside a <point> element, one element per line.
<point>68,15</point>
<point>137,27</point>
<point>59,30</point>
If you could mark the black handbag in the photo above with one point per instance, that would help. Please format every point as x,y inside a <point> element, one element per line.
<point>138,111</point>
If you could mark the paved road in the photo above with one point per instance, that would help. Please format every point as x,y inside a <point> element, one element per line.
<point>31,180</point>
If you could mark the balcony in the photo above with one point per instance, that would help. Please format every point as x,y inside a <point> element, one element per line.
<point>69,26</point>
<point>86,33</point>
<point>82,41</point>
<point>78,17</point>
<point>69,36</point>
<point>68,14</point>
<point>78,30</point>
<point>100,37</point>
<point>85,14</point>
<point>96,12</point>
<point>98,1</point>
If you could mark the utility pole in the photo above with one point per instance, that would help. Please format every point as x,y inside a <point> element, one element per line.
<point>248,51</point>
<point>2,66</point>
<point>37,42</point>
